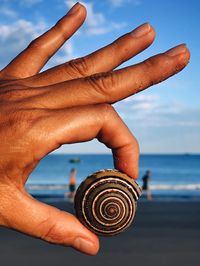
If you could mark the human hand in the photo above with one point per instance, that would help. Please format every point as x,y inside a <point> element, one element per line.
<point>67,104</point>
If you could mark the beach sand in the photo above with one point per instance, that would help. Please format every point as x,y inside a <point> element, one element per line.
<point>163,233</point>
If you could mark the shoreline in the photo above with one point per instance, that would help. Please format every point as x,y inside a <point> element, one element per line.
<point>156,198</point>
<point>57,191</point>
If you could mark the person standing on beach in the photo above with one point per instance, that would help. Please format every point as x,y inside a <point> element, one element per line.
<point>69,103</point>
<point>145,187</point>
<point>72,184</point>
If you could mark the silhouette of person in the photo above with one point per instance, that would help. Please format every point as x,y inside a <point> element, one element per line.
<point>145,187</point>
<point>72,184</point>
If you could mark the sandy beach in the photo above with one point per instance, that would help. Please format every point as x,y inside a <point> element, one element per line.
<point>163,233</point>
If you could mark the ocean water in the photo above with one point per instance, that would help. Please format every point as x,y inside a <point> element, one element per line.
<point>171,174</point>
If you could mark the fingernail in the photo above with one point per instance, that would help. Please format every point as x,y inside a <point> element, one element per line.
<point>74,9</point>
<point>84,245</point>
<point>180,49</point>
<point>141,30</point>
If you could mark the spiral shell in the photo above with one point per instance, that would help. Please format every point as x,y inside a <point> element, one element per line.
<point>106,202</point>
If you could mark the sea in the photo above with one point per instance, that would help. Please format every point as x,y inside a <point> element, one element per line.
<point>173,176</point>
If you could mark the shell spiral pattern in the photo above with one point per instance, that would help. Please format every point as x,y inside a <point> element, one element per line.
<point>106,202</point>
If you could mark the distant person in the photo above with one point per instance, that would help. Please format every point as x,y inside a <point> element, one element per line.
<point>72,184</point>
<point>145,187</point>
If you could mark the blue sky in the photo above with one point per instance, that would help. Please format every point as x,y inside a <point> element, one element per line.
<point>165,118</point>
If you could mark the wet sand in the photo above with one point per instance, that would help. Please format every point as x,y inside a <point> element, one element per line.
<point>163,233</point>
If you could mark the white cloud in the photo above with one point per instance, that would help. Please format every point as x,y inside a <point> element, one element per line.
<point>8,12</point>
<point>120,3</point>
<point>94,19</point>
<point>96,23</point>
<point>152,104</point>
<point>16,36</point>
<point>103,30</point>
<point>117,3</point>
<point>29,3</point>
<point>150,111</point>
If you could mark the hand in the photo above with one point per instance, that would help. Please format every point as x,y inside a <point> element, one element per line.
<point>66,104</point>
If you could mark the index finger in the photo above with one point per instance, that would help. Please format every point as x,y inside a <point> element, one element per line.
<point>84,123</point>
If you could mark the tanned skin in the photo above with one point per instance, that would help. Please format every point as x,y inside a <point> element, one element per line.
<point>69,103</point>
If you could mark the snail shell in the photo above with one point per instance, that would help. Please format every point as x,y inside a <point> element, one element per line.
<point>106,202</point>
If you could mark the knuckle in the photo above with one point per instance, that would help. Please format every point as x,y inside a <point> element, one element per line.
<point>35,44</point>
<point>107,112</point>
<point>158,61</point>
<point>149,70</point>
<point>119,50</point>
<point>156,68</point>
<point>103,84</point>
<point>49,233</point>
<point>60,28</point>
<point>150,63</point>
<point>39,46</point>
<point>107,109</point>
<point>133,145</point>
<point>52,230</point>
<point>133,148</point>
<point>79,66</point>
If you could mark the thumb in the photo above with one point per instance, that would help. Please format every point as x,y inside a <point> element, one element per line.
<point>27,215</point>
